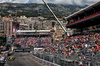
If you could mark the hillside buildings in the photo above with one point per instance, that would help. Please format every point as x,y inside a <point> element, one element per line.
<point>9,25</point>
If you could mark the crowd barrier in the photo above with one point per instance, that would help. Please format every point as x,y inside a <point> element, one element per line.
<point>44,61</point>
<point>72,60</point>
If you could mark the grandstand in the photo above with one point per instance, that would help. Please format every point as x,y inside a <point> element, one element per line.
<point>86,20</point>
<point>81,49</point>
<point>32,37</point>
<point>78,50</point>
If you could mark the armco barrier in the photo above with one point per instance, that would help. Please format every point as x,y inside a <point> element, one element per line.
<point>44,61</point>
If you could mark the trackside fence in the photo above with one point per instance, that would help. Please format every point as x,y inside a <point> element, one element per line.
<point>53,59</point>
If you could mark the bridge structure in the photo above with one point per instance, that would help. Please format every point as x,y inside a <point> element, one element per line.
<point>33,33</point>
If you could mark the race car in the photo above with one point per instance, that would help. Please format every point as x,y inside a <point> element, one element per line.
<point>11,58</point>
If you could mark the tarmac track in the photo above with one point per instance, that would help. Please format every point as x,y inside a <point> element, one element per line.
<point>23,59</point>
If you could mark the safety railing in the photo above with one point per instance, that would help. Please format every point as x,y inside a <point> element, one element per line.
<point>72,60</point>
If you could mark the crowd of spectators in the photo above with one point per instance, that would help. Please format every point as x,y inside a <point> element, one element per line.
<point>79,45</point>
<point>75,44</point>
<point>83,46</point>
<point>26,42</point>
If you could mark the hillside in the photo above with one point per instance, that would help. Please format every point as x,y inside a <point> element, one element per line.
<point>34,9</point>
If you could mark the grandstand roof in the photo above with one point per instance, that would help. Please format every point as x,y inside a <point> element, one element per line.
<point>33,30</point>
<point>85,22</point>
<point>86,17</point>
<point>84,9</point>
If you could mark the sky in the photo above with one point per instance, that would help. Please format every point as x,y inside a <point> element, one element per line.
<point>71,2</point>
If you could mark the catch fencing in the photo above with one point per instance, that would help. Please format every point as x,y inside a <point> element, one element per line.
<point>53,59</point>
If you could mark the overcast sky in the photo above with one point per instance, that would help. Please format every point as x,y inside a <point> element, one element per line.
<point>77,2</point>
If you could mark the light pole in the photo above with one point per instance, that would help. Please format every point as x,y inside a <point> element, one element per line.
<point>6,39</point>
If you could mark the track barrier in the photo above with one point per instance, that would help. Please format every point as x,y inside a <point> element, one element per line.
<point>44,61</point>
